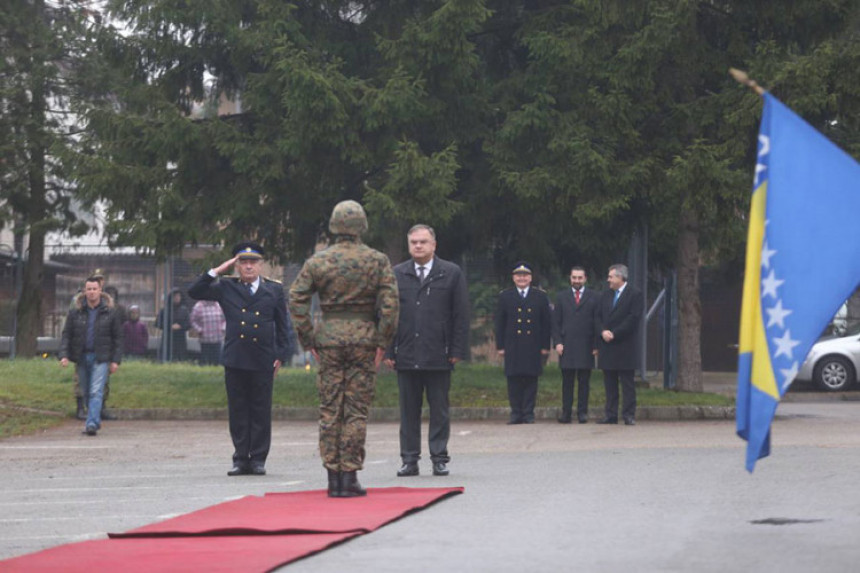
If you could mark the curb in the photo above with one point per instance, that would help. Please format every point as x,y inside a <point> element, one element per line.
<point>661,413</point>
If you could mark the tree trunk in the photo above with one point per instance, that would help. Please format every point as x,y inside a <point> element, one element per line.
<point>30,303</point>
<point>689,305</point>
<point>29,312</point>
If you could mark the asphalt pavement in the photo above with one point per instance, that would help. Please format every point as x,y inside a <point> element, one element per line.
<point>658,496</point>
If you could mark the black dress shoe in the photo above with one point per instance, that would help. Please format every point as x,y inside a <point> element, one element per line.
<point>583,419</point>
<point>258,469</point>
<point>608,421</point>
<point>515,422</point>
<point>629,422</point>
<point>564,420</point>
<point>440,469</point>
<point>408,469</point>
<point>238,470</point>
<point>528,422</point>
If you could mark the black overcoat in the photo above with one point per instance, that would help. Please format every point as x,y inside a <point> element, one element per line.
<point>575,326</point>
<point>433,326</point>
<point>258,327</point>
<point>623,321</point>
<point>522,330</point>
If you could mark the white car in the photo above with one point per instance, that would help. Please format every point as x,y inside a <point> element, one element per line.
<point>834,362</point>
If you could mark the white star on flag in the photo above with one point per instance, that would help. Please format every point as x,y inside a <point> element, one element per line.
<point>777,314</point>
<point>766,254</point>
<point>770,284</point>
<point>785,345</point>
<point>789,373</point>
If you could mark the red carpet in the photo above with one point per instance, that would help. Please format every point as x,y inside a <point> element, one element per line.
<point>248,534</point>
<point>297,512</point>
<point>176,554</point>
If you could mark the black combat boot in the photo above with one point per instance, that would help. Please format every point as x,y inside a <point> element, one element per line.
<point>334,483</point>
<point>349,486</point>
<point>81,413</point>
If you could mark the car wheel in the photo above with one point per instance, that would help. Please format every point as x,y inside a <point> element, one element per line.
<point>834,373</point>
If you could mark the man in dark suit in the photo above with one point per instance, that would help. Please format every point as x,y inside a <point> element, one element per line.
<point>432,335</point>
<point>523,339</point>
<point>574,330</point>
<point>255,346</point>
<point>618,323</point>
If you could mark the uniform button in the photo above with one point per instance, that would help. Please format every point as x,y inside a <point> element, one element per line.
<point>418,303</point>
<point>241,336</point>
<point>529,321</point>
<point>519,309</point>
<point>243,310</point>
<point>257,312</point>
<point>242,323</point>
<point>416,335</point>
<point>255,339</point>
<point>528,331</point>
<point>519,320</point>
<point>530,310</point>
<point>519,332</point>
<point>256,325</point>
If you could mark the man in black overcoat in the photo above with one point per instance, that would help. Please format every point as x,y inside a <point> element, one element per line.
<point>432,336</point>
<point>618,323</point>
<point>574,330</point>
<point>523,339</point>
<point>256,344</point>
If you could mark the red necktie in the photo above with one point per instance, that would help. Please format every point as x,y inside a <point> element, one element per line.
<point>576,294</point>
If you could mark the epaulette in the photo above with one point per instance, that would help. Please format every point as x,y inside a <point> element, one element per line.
<point>267,279</point>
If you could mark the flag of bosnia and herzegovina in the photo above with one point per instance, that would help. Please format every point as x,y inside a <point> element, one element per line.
<point>802,262</point>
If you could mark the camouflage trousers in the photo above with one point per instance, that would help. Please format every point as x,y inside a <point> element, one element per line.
<point>346,382</point>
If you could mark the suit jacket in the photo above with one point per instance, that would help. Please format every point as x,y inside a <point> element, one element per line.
<point>575,326</point>
<point>623,321</point>
<point>523,330</point>
<point>434,317</point>
<point>257,326</point>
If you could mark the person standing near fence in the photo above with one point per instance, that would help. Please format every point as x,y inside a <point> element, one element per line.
<point>208,320</point>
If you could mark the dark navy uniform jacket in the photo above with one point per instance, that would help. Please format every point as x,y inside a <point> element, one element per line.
<point>258,326</point>
<point>523,330</point>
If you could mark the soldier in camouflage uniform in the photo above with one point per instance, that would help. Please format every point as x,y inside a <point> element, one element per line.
<point>358,296</point>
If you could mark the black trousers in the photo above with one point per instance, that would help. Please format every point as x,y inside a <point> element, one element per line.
<point>628,388</point>
<point>522,395</point>
<point>249,404</point>
<point>569,377</point>
<point>413,385</point>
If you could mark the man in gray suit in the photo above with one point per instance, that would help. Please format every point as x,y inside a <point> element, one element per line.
<point>574,331</point>
<point>621,308</point>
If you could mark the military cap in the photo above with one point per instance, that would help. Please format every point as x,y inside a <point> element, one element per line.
<point>521,267</point>
<point>248,250</point>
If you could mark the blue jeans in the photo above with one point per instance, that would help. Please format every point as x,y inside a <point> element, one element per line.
<point>92,376</point>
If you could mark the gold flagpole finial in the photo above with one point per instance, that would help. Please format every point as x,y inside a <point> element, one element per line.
<point>742,78</point>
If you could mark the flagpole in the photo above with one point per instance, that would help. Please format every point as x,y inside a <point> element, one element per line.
<point>742,78</point>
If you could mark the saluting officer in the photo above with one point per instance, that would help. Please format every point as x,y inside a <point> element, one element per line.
<point>256,344</point>
<point>523,338</point>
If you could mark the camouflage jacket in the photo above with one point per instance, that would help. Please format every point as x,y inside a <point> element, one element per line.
<point>357,292</point>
